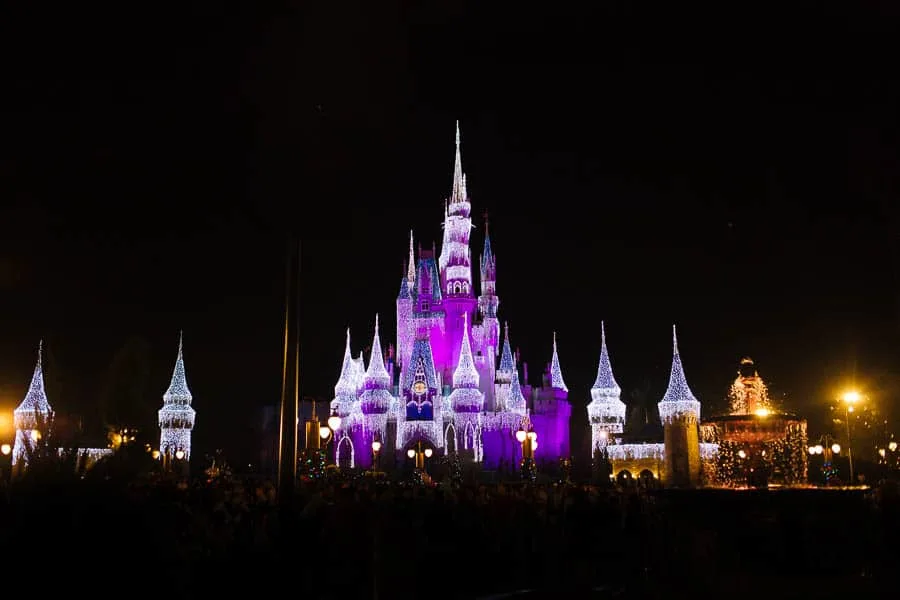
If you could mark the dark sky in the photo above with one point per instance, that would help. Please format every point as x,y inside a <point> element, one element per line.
<point>735,175</point>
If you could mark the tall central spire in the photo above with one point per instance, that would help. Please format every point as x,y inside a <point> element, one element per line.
<point>459,179</point>
<point>411,266</point>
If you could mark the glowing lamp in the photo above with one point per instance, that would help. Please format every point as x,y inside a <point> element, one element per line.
<point>742,454</point>
<point>428,452</point>
<point>836,448</point>
<point>334,421</point>
<point>324,432</point>
<point>881,452</point>
<point>604,434</point>
<point>892,446</point>
<point>521,435</point>
<point>5,449</point>
<point>35,435</point>
<point>411,453</point>
<point>155,454</point>
<point>179,454</point>
<point>762,412</point>
<point>851,397</point>
<point>532,435</point>
<point>811,449</point>
<point>533,444</point>
<point>376,446</point>
<point>819,449</point>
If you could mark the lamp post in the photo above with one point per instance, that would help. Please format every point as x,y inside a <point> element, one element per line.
<point>419,454</point>
<point>326,432</point>
<point>376,448</point>
<point>850,398</point>
<point>828,447</point>
<point>527,436</point>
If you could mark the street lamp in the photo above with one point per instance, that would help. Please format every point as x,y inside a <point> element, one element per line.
<point>420,455</point>
<point>376,448</point>
<point>823,447</point>
<point>851,398</point>
<point>179,454</point>
<point>5,449</point>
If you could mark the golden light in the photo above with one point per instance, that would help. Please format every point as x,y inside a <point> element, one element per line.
<point>850,409</point>
<point>411,453</point>
<point>376,446</point>
<point>155,454</point>
<point>892,446</point>
<point>836,448</point>
<point>762,412</point>
<point>324,432</point>
<point>179,455</point>
<point>851,397</point>
<point>811,449</point>
<point>532,435</point>
<point>534,445</point>
<point>334,422</point>
<point>603,435</point>
<point>742,454</point>
<point>881,452</point>
<point>35,435</point>
<point>521,435</point>
<point>428,452</point>
<point>5,449</point>
<point>819,449</point>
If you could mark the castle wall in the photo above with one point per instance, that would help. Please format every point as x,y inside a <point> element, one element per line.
<point>682,452</point>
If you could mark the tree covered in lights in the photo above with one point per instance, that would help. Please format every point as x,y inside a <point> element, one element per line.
<point>177,416</point>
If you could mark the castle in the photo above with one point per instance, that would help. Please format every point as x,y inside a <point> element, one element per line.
<point>442,386</point>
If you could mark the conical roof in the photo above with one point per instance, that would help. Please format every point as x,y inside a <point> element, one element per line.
<point>679,398</point>
<point>605,384</point>
<point>556,378</point>
<point>377,374</point>
<point>346,384</point>
<point>506,358</point>
<point>178,392</point>
<point>516,402</point>
<point>35,400</point>
<point>465,375</point>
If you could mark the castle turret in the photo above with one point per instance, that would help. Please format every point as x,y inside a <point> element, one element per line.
<point>606,410</point>
<point>679,411</point>
<point>466,397</point>
<point>176,417</point>
<point>375,401</point>
<point>556,378</point>
<point>33,415</point>
<point>455,259</point>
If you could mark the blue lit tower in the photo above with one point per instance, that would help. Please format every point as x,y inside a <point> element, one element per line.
<point>679,411</point>
<point>606,410</point>
<point>176,417</point>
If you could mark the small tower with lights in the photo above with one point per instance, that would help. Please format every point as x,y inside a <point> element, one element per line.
<point>679,411</point>
<point>33,415</point>
<point>176,417</point>
<point>606,411</point>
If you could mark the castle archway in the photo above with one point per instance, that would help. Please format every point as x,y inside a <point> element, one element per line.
<point>450,439</point>
<point>345,459</point>
<point>624,478</point>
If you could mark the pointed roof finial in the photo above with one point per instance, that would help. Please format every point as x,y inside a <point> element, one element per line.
<point>411,265</point>
<point>674,339</point>
<point>459,184</point>
<point>40,360</point>
<point>605,384</point>
<point>678,400</point>
<point>377,373</point>
<point>180,343</point>
<point>178,392</point>
<point>556,378</point>
<point>35,400</point>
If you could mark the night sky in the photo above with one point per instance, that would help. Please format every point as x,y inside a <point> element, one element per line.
<point>739,180</point>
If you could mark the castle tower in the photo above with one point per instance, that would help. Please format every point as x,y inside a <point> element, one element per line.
<point>467,403</point>
<point>606,411</point>
<point>176,417</point>
<point>346,405</point>
<point>33,416</point>
<point>406,327</point>
<point>486,333</point>
<point>679,411</point>
<point>455,262</point>
<point>375,401</point>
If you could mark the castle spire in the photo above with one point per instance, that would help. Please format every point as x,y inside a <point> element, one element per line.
<point>465,375</point>
<point>178,392</point>
<point>35,400</point>
<point>678,399</point>
<point>376,374</point>
<point>516,402</point>
<point>556,378</point>
<point>459,180</point>
<point>411,265</point>
<point>346,384</point>
<point>506,359</point>
<point>605,384</point>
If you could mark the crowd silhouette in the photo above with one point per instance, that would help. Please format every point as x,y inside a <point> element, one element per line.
<point>122,528</point>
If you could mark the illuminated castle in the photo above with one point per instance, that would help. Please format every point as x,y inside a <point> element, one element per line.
<point>443,386</point>
<point>681,459</point>
<point>33,415</point>
<point>176,417</point>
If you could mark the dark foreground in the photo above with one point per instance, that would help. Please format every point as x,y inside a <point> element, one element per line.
<point>362,540</point>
